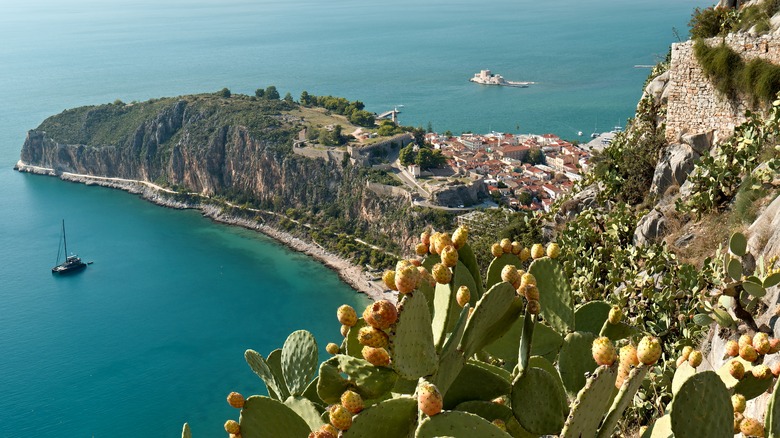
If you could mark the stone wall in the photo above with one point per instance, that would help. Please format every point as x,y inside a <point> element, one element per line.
<point>694,105</point>
<point>362,154</point>
<point>328,154</point>
<point>387,190</point>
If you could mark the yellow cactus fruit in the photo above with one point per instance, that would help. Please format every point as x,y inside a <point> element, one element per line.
<point>732,348</point>
<point>340,417</point>
<point>761,372</point>
<point>530,292</point>
<point>745,340</point>
<point>380,314</point>
<point>516,248</point>
<point>738,417</point>
<point>761,343</point>
<point>615,315</point>
<point>442,242</point>
<point>389,279</point>
<point>525,254</point>
<point>372,337</point>
<point>441,273</point>
<point>425,238</point>
<point>421,249</point>
<point>695,358</point>
<point>496,250</point>
<point>537,251</point>
<point>377,357</point>
<point>506,246</point>
<point>236,400</point>
<point>649,350</point>
<point>527,278</point>
<point>686,351</point>
<point>738,402</point>
<point>748,353</point>
<point>775,369</point>
<point>231,426</point>
<point>425,277</point>
<point>774,346</point>
<point>332,348</point>
<point>460,237</point>
<point>511,275</point>
<point>751,427</point>
<point>329,429</point>
<point>406,279</point>
<point>736,369</point>
<point>319,434</point>
<point>500,400</point>
<point>628,360</point>
<point>534,307</point>
<point>603,351</point>
<point>449,256</point>
<point>463,296</point>
<point>344,330</point>
<point>429,399</point>
<point>415,262</point>
<point>352,401</point>
<point>553,250</point>
<point>346,315</point>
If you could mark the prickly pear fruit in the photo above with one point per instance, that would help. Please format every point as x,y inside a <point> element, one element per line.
<point>686,351</point>
<point>344,330</point>
<point>372,337</point>
<point>329,429</point>
<point>516,248</point>
<point>695,358</point>
<point>499,423</point>
<point>745,340</point>
<point>463,296</point>
<point>421,249</point>
<point>748,353</point>
<point>736,369</point>
<point>332,348</point>
<point>231,426</point>
<point>389,279</point>
<point>553,250</point>
<point>425,237</point>
<point>501,400</point>
<point>460,236</point>
<point>511,275</point>
<point>441,273</point>
<point>775,369</point>
<point>732,348</point>
<point>429,399</point>
<point>774,346</point>
<point>377,357</point>
<point>380,314</point>
<point>425,277</point>
<point>615,315</point>
<point>751,427</point>
<point>346,315</point>
<point>236,400</point>
<point>628,359</point>
<point>449,256</point>
<point>321,434</point>
<point>761,343</point>
<point>352,401</point>
<point>527,278</point>
<point>530,292</point>
<point>761,372</point>
<point>603,351</point>
<point>534,307</point>
<point>406,279</point>
<point>496,250</point>
<point>738,402</point>
<point>525,254</point>
<point>537,251</point>
<point>506,246</point>
<point>649,350</point>
<point>444,240</point>
<point>737,420</point>
<point>340,417</point>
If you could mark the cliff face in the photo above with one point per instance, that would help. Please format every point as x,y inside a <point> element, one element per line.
<point>194,145</point>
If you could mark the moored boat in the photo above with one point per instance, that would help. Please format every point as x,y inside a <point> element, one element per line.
<point>72,263</point>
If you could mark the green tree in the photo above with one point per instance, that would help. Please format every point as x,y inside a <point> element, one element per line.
<point>428,158</point>
<point>306,98</point>
<point>535,156</point>
<point>225,92</point>
<point>260,93</point>
<point>524,197</point>
<point>407,155</point>
<point>271,93</point>
<point>288,98</point>
<point>362,118</point>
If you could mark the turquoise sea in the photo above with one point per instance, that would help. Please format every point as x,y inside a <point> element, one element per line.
<point>152,334</point>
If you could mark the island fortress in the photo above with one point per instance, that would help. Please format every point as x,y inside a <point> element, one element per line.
<point>485,77</point>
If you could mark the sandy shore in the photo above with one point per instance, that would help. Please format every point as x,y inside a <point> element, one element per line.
<point>350,273</point>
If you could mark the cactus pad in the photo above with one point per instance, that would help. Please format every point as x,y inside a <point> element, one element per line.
<point>575,360</point>
<point>367,380</point>
<point>702,407</point>
<point>662,428</point>
<point>554,294</point>
<point>623,399</point>
<point>261,368</point>
<point>546,342</point>
<point>483,325</point>
<point>466,255</point>
<point>592,402</point>
<point>458,424</point>
<point>538,404</point>
<point>263,417</point>
<point>299,360</point>
<point>394,418</point>
<point>275,364</point>
<point>493,411</point>
<point>591,316</point>
<point>543,363</point>
<point>445,306</point>
<point>476,381</point>
<point>497,265</point>
<point>411,340</point>
<point>772,419</point>
<point>354,347</point>
<point>751,386</point>
<point>306,410</point>
<point>683,372</point>
<point>738,244</point>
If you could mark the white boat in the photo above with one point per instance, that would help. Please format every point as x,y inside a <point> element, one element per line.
<point>486,77</point>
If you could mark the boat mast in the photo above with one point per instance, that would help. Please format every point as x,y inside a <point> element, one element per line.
<point>64,240</point>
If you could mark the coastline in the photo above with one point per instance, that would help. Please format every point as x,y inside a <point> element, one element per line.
<point>353,275</point>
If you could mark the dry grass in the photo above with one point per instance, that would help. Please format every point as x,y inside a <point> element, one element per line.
<point>708,233</point>
<point>319,118</point>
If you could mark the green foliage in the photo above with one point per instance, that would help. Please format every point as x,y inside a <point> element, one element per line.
<point>362,118</point>
<point>407,155</point>
<point>224,93</point>
<point>712,21</point>
<point>271,93</point>
<point>387,128</point>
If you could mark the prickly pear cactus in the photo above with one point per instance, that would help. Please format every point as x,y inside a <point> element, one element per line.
<point>623,400</point>
<point>367,380</point>
<point>352,344</point>
<point>259,365</point>
<point>477,381</point>
<point>458,424</point>
<point>466,255</point>
<point>306,410</point>
<point>574,360</point>
<point>487,323</point>
<point>554,294</point>
<point>263,417</point>
<point>591,316</point>
<point>299,360</point>
<point>394,418</point>
<point>411,340</point>
<point>537,403</point>
<point>446,308</point>
<point>702,407</point>
<point>591,403</point>
<point>494,270</point>
<point>772,418</point>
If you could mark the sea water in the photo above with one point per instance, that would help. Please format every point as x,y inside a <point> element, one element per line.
<point>152,334</point>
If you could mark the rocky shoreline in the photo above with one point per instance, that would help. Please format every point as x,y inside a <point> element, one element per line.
<point>353,275</point>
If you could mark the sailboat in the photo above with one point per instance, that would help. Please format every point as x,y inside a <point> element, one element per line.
<point>72,263</point>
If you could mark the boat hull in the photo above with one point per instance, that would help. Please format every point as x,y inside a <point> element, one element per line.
<point>68,268</point>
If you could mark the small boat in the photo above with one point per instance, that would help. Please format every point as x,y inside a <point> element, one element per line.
<point>72,263</point>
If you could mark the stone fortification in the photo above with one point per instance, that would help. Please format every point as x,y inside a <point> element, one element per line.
<point>694,105</point>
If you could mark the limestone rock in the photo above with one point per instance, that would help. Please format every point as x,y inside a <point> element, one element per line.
<point>583,200</point>
<point>701,142</point>
<point>650,228</point>
<point>673,168</point>
<point>656,87</point>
